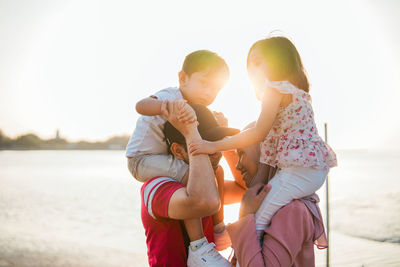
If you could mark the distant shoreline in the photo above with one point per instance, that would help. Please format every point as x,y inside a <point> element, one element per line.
<point>65,149</point>
<point>120,147</point>
<point>33,142</point>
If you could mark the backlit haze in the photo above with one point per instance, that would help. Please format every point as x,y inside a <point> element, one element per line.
<point>80,66</point>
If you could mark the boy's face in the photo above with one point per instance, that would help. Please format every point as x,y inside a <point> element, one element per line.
<point>201,87</point>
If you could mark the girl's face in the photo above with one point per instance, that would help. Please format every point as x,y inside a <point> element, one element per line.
<point>257,70</point>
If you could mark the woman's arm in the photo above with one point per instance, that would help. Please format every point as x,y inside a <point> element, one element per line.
<point>291,233</point>
<point>232,159</point>
<point>233,192</point>
<point>247,247</point>
<point>243,233</point>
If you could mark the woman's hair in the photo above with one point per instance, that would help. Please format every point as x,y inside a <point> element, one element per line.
<point>283,61</point>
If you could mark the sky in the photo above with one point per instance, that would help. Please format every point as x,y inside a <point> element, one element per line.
<point>81,66</point>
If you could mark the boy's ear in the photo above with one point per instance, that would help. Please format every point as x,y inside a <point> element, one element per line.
<point>178,151</point>
<point>182,77</point>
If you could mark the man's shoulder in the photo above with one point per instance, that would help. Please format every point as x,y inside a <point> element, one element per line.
<point>153,184</point>
<point>158,190</point>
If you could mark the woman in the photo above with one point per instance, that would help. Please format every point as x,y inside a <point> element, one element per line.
<point>289,239</point>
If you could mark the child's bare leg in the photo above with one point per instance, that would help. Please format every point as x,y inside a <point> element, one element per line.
<point>201,253</point>
<point>222,239</point>
<point>194,228</point>
<point>218,218</point>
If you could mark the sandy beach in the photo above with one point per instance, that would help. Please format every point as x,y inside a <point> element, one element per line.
<point>37,252</point>
<point>16,251</point>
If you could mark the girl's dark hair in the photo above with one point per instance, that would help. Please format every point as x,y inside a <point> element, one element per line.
<point>283,61</point>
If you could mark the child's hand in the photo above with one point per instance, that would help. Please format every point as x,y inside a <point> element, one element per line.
<point>201,147</point>
<point>186,113</point>
<point>171,111</point>
<point>221,119</point>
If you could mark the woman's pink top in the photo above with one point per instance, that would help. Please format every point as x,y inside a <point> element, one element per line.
<point>288,241</point>
<point>293,139</point>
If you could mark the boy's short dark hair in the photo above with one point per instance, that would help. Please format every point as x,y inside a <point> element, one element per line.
<point>202,60</point>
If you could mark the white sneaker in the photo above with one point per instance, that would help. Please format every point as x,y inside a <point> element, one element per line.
<point>206,255</point>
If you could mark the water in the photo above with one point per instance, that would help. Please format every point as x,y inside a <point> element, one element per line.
<point>69,204</point>
<point>366,196</point>
<point>82,208</point>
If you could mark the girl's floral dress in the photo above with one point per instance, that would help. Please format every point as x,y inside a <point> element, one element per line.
<point>293,140</point>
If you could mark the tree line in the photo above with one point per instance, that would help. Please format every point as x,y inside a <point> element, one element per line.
<point>32,141</point>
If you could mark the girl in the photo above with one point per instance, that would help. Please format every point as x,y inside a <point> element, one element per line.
<point>285,126</point>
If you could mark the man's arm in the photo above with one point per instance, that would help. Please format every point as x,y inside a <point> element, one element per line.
<point>200,196</point>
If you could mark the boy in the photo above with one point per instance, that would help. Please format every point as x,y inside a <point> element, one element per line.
<point>203,75</point>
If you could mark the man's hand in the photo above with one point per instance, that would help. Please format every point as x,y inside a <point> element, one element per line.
<point>221,119</point>
<point>172,110</point>
<point>253,198</point>
<point>202,147</point>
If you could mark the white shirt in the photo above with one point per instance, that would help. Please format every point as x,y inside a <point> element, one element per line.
<point>148,137</point>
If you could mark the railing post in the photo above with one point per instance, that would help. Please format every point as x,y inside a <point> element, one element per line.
<point>327,204</point>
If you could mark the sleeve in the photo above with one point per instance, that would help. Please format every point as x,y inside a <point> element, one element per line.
<point>291,228</point>
<point>157,195</point>
<point>166,94</point>
<point>284,87</point>
<point>284,239</point>
<point>162,197</point>
<point>244,241</point>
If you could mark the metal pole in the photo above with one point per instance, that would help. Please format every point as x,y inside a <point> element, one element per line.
<point>327,203</point>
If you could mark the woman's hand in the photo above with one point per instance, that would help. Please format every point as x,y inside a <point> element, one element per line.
<point>202,147</point>
<point>253,198</point>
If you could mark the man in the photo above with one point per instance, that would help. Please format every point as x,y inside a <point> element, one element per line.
<point>289,239</point>
<point>165,202</point>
